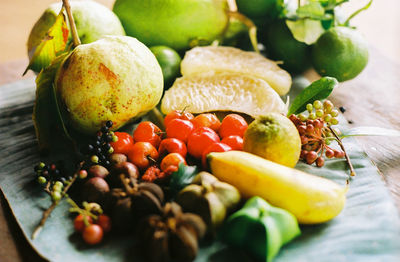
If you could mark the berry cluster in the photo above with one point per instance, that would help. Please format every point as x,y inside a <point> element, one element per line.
<point>315,132</point>
<point>52,179</point>
<point>99,151</point>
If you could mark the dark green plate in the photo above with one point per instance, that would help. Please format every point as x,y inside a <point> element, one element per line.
<point>368,229</point>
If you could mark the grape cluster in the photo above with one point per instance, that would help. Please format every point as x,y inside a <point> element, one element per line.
<point>315,133</point>
<point>99,151</point>
<point>51,177</point>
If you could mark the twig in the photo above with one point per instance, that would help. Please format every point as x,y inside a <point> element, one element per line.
<point>352,172</point>
<point>74,32</point>
<point>48,211</point>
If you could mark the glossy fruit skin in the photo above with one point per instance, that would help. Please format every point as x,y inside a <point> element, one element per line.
<point>141,153</point>
<point>172,159</point>
<point>200,139</point>
<point>207,120</point>
<point>92,234</point>
<point>180,129</point>
<point>235,142</point>
<point>79,223</point>
<point>172,145</point>
<point>177,114</point>
<point>233,125</point>
<point>340,52</point>
<point>147,132</point>
<point>216,147</point>
<point>261,12</point>
<point>170,63</point>
<point>124,144</point>
<point>104,222</point>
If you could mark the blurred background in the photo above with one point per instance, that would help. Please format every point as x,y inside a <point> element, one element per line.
<point>380,24</point>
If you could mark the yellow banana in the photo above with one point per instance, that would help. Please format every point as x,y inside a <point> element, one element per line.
<point>310,198</point>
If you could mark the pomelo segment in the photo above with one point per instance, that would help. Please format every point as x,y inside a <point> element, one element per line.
<point>222,92</point>
<point>219,59</point>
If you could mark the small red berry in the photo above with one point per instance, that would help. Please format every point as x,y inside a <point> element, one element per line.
<point>92,234</point>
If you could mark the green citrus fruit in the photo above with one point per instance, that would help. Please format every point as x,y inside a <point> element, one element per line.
<point>340,52</point>
<point>281,45</point>
<point>115,78</point>
<point>178,24</point>
<point>273,137</point>
<point>260,11</point>
<point>170,63</point>
<point>92,20</point>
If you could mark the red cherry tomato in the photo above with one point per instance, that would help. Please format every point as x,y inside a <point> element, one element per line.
<point>92,234</point>
<point>172,160</point>
<point>104,222</point>
<point>179,115</point>
<point>147,132</point>
<point>79,223</point>
<point>207,120</point>
<point>143,154</point>
<point>172,145</point>
<point>200,139</point>
<point>216,147</point>
<point>179,128</point>
<point>233,125</point>
<point>124,143</point>
<point>235,142</point>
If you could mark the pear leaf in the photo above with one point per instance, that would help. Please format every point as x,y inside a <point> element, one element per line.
<point>53,44</point>
<point>306,30</point>
<point>46,114</point>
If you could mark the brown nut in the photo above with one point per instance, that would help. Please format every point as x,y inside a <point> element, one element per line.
<point>98,171</point>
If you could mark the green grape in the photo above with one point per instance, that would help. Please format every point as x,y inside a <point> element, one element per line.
<point>312,116</point>
<point>334,121</point>
<point>319,112</point>
<point>328,106</point>
<point>94,159</point>
<point>56,195</point>
<point>309,107</point>
<point>327,118</point>
<point>42,180</point>
<point>334,113</point>
<point>302,117</point>
<point>317,104</point>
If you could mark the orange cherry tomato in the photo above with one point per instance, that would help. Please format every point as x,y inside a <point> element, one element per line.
<point>92,234</point>
<point>179,128</point>
<point>235,142</point>
<point>172,160</point>
<point>179,115</point>
<point>79,223</point>
<point>207,120</point>
<point>147,132</point>
<point>233,125</point>
<point>143,154</point>
<point>124,143</point>
<point>200,139</point>
<point>172,145</point>
<point>216,147</point>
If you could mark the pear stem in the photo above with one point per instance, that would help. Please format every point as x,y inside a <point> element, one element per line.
<point>72,25</point>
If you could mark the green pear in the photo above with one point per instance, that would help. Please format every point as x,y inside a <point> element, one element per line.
<point>92,20</point>
<point>116,78</point>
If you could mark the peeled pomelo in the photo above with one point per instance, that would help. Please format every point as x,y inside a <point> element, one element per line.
<point>220,59</point>
<point>115,78</point>
<point>222,92</point>
<point>178,24</point>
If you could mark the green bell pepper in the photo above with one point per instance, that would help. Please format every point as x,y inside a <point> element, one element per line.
<point>260,228</point>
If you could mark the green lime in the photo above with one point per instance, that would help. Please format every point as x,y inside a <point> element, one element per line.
<point>282,46</point>
<point>340,52</point>
<point>170,63</point>
<point>178,24</point>
<point>260,11</point>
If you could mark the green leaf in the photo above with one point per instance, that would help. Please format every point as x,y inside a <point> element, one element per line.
<point>313,10</point>
<point>370,131</point>
<point>318,90</point>
<point>46,114</point>
<point>183,177</point>
<point>52,45</point>
<point>306,30</point>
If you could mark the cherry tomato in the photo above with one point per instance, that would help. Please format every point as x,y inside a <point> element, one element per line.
<point>92,234</point>
<point>104,222</point>
<point>233,125</point>
<point>216,147</point>
<point>147,132</point>
<point>200,139</point>
<point>79,223</point>
<point>143,154</point>
<point>180,129</point>
<point>124,143</point>
<point>172,159</point>
<point>235,142</point>
<point>179,115</point>
<point>172,145</point>
<point>207,120</point>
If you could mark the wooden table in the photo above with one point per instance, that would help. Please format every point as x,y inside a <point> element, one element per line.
<point>372,99</point>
